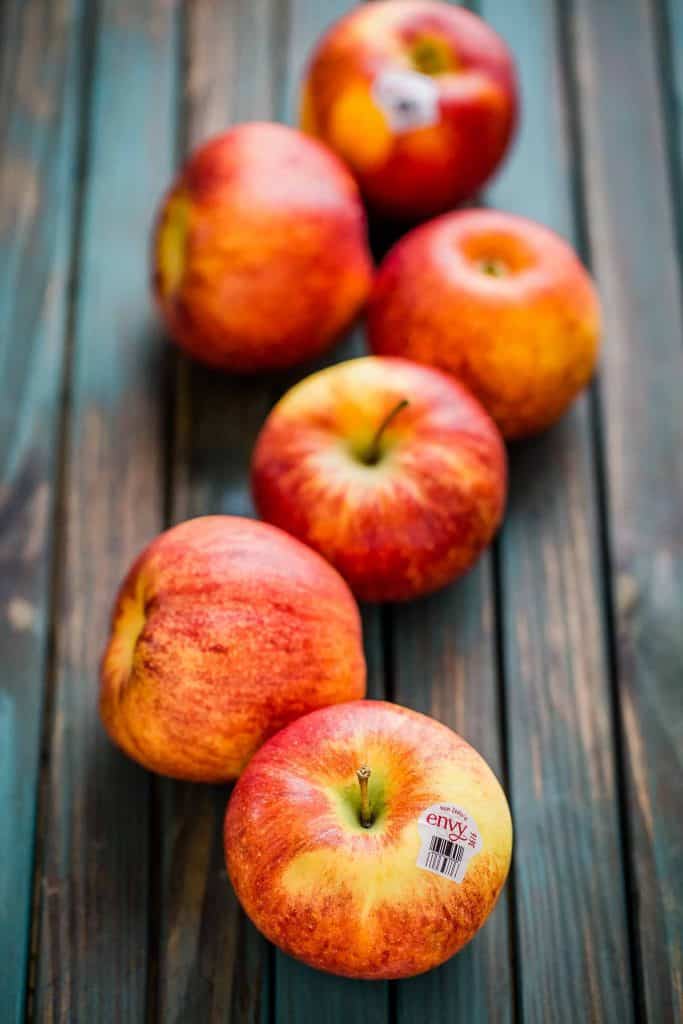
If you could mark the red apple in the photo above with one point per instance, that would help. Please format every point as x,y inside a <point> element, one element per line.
<point>502,303</point>
<point>391,470</point>
<point>368,840</point>
<point>260,257</point>
<point>420,99</point>
<point>224,630</point>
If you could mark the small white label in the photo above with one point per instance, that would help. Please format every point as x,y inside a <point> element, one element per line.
<point>449,837</point>
<point>408,99</point>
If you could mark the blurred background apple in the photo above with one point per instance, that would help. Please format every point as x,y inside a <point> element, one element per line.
<point>502,303</point>
<point>419,98</point>
<point>259,257</point>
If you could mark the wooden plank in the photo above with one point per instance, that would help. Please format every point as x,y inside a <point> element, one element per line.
<point>39,131</point>
<point>305,995</point>
<point>630,228</point>
<point>213,965</point>
<point>445,666</point>
<point>569,862</point>
<point>299,991</point>
<point>92,963</point>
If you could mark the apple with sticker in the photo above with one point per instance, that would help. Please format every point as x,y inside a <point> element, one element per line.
<point>388,835</point>
<point>420,98</point>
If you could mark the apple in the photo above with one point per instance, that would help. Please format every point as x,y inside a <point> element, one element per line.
<point>499,301</point>
<point>259,256</point>
<point>224,630</point>
<point>390,470</point>
<point>419,98</point>
<point>368,840</point>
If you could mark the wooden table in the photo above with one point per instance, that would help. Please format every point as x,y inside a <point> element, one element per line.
<point>560,657</point>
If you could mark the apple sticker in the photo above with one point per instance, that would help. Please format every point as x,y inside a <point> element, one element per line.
<point>449,837</point>
<point>408,99</point>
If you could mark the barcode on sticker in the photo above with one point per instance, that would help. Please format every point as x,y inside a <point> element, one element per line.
<point>444,857</point>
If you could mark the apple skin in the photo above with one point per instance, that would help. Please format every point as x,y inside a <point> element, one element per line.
<point>468,108</point>
<point>347,899</point>
<point>410,523</point>
<point>259,255</point>
<point>524,343</point>
<point>224,630</point>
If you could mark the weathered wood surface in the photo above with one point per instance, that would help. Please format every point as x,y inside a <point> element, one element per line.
<point>213,965</point>
<point>630,226</point>
<point>94,869</point>
<point>571,912</point>
<point>445,663</point>
<point>39,85</point>
<point>560,656</point>
<point>300,992</point>
<point>242,63</point>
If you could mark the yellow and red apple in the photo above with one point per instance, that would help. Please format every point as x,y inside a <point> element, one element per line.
<point>368,840</point>
<point>419,98</point>
<point>224,630</point>
<point>259,256</point>
<point>500,302</point>
<point>390,470</point>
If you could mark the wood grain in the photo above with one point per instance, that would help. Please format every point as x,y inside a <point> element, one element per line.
<point>242,61</point>
<point>445,666</point>
<point>630,228</point>
<point>571,912</point>
<point>39,75</point>
<point>300,992</point>
<point>92,960</point>
<point>213,965</point>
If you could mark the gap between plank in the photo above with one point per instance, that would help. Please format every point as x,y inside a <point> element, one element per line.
<point>386,625</point>
<point>496,570</point>
<point>172,381</point>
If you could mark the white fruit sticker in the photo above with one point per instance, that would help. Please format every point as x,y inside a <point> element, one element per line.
<point>449,837</point>
<point>408,99</point>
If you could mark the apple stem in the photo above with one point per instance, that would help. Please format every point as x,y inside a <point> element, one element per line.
<point>363,775</point>
<point>373,453</point>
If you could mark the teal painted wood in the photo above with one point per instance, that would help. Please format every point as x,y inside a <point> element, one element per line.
<point>670,25</point>
<point>213,965</point>
<point>445,666</point>
<point>302,994</point>
<point>92,960</point>
<point>39,74</point>
<point>630,228</point>
<point>571,911</point>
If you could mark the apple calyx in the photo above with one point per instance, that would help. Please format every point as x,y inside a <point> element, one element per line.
<point>493,267</point>
<point>374,452</point>
<point>363,775</point>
